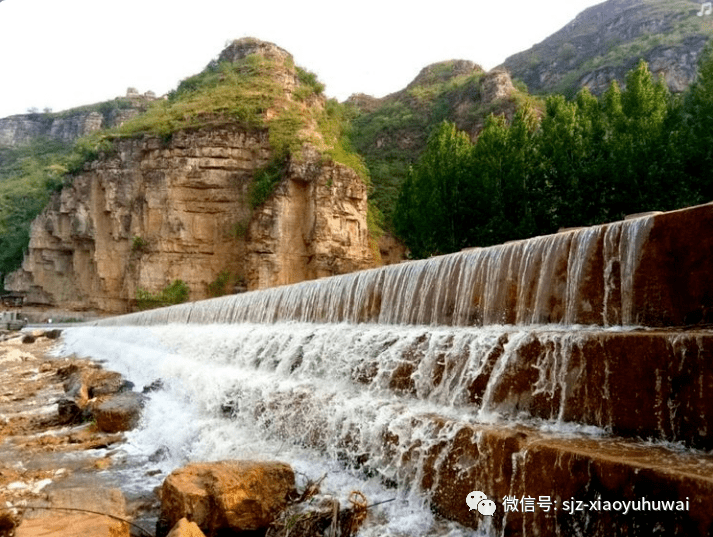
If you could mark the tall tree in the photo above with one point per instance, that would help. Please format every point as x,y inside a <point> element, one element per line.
<point>429,211</point>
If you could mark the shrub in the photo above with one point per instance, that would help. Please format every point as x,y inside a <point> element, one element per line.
<point>138,244</point>
<point>174,293</point>
<point>224,283</point>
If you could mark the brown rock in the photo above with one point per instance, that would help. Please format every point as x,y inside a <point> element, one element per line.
<point>184,528</point>
<point>86,381</point>
<point>314,225</point>
<point>119,412</point>
<point>156,212</point>
<point>235,495</point>
<point>73,525</point>
<point>60,521</point>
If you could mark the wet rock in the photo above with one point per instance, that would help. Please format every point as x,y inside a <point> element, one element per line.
<point>28,339</point>
<point>118,413</point>
<point>184,528</point>
<point>84,383</point>
<point>155,386</point>
<point>52,334</point>
<point>69,412</point>
<point>226,495</point>
<point>59,518</point>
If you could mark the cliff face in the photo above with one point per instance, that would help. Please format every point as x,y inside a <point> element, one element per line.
<point>154,213</point>
<point>159,208</point>
<point>605,41</point>
<point>68,126</point>
<point>314,225</point>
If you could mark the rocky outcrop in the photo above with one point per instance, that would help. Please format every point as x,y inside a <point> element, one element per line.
<point>313,226</point>
<point>605,41</point>
<point>226,495</point>
<point>155,212</point>
<point>143,217</point>
<point>69,125</point>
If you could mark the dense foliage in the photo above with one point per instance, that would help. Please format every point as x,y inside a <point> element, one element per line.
<point>587,161</point>
<point>392,132</point>
<point>28,177</point>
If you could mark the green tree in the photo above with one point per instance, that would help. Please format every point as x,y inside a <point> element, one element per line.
<point>429,210</point>
<point>696,140</point>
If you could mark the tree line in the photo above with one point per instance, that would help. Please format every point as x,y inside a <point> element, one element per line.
<point>581,162</point>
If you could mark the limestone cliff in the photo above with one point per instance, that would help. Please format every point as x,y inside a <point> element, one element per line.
<point>313,226</point>
<point>156,209</point>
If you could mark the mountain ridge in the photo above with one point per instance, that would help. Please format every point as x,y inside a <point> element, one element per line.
<point>607,40</point>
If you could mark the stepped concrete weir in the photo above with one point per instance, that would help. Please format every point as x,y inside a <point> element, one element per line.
<point>567,377</point>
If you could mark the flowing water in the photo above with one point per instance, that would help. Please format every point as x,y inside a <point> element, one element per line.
<point>347,400</point>
<point>584,276</point>
<point>365,377</point>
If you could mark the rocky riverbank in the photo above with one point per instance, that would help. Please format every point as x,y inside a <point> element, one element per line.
<point>59,429</point>
<point>62,424</point>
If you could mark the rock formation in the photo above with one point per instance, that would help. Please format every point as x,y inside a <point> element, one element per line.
<point>313,226</point>
<point>71,124</point>
<point>226,495</point>
<point>154,211</point>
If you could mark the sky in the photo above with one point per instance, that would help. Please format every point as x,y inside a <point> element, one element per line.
<point>61,54</point>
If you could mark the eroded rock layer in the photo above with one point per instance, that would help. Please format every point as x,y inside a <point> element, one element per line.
<point>154,212</point>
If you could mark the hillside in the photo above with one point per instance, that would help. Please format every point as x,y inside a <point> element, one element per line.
<point>605,41</point>
<point>391,133</point>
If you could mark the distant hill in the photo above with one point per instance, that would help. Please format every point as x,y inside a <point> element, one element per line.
<point>391,133</point>
<point>605,41</point>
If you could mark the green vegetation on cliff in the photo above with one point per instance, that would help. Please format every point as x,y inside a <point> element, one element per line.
<point>261,92</point>
<point>607,40</point>
<point>28,175</point>
<point>176,292</point>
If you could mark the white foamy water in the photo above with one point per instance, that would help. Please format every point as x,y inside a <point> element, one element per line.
<point>304,394</point>
<point>579,276</point>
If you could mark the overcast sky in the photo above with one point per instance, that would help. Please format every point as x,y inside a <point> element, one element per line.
<point>65,53</point>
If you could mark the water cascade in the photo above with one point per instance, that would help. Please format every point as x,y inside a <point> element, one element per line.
<point>541,372</point>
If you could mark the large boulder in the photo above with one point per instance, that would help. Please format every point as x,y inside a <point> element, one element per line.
<point>226,495</point>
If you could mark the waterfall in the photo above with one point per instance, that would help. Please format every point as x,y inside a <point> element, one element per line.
<point>548,279</point>
<point>516,370</point>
